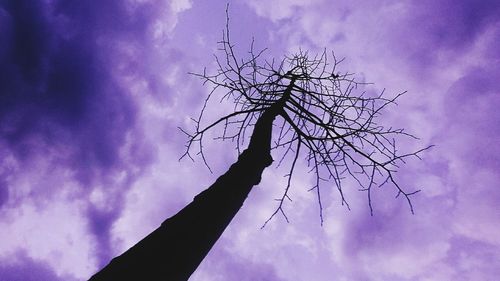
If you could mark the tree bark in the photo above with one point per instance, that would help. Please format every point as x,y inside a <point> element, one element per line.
<point>175,249</point>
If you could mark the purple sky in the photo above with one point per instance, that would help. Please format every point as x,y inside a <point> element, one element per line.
<point>92,93</point>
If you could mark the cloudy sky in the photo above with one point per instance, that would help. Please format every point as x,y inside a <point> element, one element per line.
<point>92,93</point>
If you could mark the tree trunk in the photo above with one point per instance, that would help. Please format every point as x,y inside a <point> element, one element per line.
<point>175,249</point>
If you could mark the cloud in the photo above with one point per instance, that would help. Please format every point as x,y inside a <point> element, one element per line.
<point>21,267</point>
<point>69,116</point>
<point>92,93</point>
<point>441,52</point>
<point>57,89</point>
<point>54,233</point>
<point>279,10</point>
<point>225,264</point>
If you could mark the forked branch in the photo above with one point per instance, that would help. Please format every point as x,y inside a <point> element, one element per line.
<point>326,119</point>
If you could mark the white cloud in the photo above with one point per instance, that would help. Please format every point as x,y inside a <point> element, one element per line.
<point>55,233</point>
<point>280,9</point>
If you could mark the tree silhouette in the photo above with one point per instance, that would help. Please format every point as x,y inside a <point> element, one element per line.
<point>323,117</point>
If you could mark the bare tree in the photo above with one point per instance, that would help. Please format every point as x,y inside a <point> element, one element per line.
<point>322,116</point>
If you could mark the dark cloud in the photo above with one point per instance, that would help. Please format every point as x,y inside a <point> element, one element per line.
<point>4,193</point>
<point>472,104</point>
<point>452,25</point>
<point>45,77</point>
<point>100,223</point>
<point>21,267</point>
<point>62,100</point>
<point>430,31</point>
<point>56,82</point>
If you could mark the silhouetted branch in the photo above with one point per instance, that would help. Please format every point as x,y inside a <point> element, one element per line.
<point>322,110</point>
